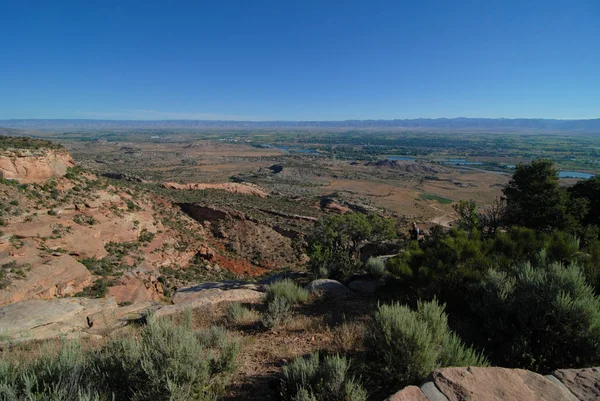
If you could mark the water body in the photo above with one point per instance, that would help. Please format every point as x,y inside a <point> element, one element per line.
<point>289,149</point>
<point>406,158</point>
<point>574,174</point>
<point>460,162</point>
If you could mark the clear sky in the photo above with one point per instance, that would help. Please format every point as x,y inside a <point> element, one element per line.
<point>299,60</point>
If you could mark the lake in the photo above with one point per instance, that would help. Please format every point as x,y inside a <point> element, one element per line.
<point>392,157</point>
<point>574,174</point>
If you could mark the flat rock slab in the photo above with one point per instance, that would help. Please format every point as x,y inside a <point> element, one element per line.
<point>210,297</point>
<point>330,287</point>
<point>583,383</point>
<point>39,319</point>
<point>410,393</point>
<point>113,318</point>
<point>215,290</point>
<point>496,384</point>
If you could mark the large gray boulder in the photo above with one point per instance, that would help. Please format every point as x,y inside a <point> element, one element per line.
<point>329,287</point>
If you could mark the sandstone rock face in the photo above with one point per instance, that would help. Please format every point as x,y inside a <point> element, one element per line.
<point>330,287</point>
<point>38,319</point>
<point>584,383</point>
<point>496,384</point>
<point>56,276</point>
<point>133,289</point>
<point>34,165</point>
<point>410,393</point>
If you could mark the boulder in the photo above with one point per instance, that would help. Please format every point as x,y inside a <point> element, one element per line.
<point>584,383</point>
<point>330,287</point>
<point>39,319</point>
<point>496,384</point>
<point>410,393</point>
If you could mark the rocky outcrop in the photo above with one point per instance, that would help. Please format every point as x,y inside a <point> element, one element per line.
<point>34,165</point>
<point>499,384</point>
<point>246,189</point>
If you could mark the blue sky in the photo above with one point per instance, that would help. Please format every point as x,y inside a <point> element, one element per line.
<point>299,60</point>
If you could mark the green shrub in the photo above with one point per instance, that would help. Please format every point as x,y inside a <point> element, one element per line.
<point>279,310</point>
<point>63,375</point>
<point>376,268</point>
<point>538,318</point>
<point>165,362</point>
<point>239,314</point>
<point>327,379</point>
<point>97,290</point>
<point>288,290</point>
<point>407,345</point>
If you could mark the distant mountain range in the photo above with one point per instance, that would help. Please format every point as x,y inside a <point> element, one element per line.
<point>452,124</point>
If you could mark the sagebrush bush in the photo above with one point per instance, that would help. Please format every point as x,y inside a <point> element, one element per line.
<point>376,268</point>
<point>539,318</point>
<point>279,310</point>
<point>322,379</point>
<point>239,314</point>
<point>166,362</point>
<point>288,290</point>
<point>407,345</point>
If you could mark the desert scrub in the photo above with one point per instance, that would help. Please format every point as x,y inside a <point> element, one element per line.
<point>281,297</point>
<point>407,345</point>
<point>239,314</point>
<point>324,379</point>
<point>376,268</point>
<point>279,311</point>
<point>165,362</point>
<point>84,220</point>
<point>287,290</point>
<point>97,290</point>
